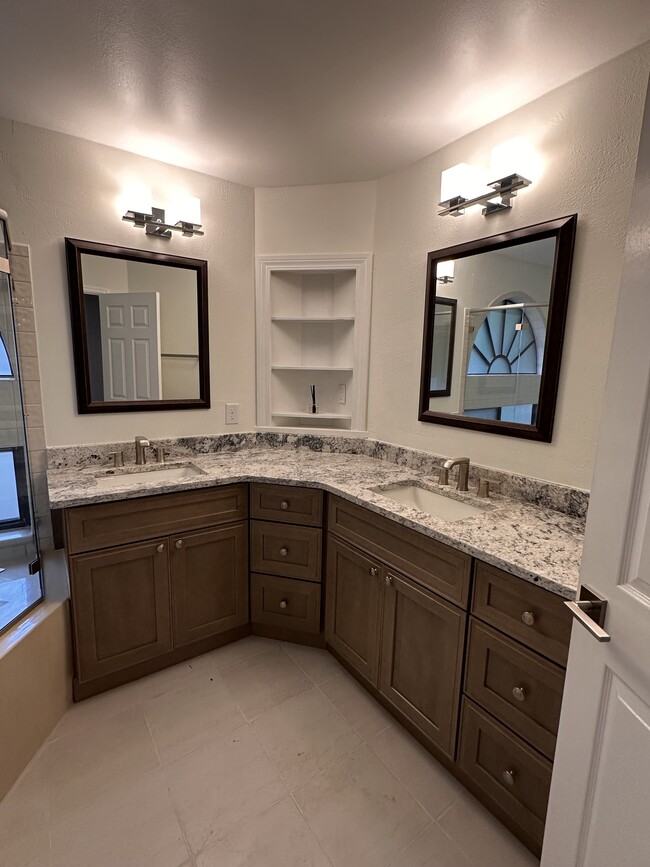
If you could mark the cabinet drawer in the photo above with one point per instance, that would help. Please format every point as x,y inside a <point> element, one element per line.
<point>285,602</point>
<point>513,775</point>
<point>521,688</point>
<point>437,566</point>
<point>289,551</point>
<point>533,616</point>
<point>287,504</point>
<point>106,524</point>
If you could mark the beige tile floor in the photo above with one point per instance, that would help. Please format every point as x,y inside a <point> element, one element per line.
<point>260,754</point>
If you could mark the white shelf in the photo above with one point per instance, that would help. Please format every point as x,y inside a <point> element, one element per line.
<point>312,319</point>
<point>309,367</point>
<point>312,415</point>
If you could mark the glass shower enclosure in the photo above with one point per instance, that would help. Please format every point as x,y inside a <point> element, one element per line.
<point>20,569</point>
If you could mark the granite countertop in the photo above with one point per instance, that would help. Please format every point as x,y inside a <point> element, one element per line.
<point>540,545</point>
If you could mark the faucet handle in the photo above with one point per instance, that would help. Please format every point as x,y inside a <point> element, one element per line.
<point>443,478</point>
<point>483,488</point>
<point>118,458</point>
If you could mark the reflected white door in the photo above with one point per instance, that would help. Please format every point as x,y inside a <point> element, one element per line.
<point>599,809</point>
<point>130,334</point>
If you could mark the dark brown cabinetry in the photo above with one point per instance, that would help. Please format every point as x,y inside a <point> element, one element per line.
<point>286,555</point>
<point>145,605</point>
<point>421,658</point>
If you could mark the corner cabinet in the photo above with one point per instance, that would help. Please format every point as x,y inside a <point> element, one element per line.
<point>313,329</point>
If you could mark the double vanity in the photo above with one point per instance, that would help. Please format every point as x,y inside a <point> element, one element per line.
<point>448,608</point>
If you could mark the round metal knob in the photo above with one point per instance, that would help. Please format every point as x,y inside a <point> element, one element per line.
<point>519,693</point>
<point>284,504</point>
<point>529,618</point>
<point>284,552</point>
<point>374,571</point>
<point>508,778</point>
<point>179,543</point>
<point>283,604</point>
<point>388,580</point>
<point>160,549</point>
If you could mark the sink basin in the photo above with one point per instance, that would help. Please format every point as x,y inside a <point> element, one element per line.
<point>436,505</point>
<point>144,476</point>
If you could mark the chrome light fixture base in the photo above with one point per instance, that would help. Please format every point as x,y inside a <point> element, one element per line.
<point>498,199</point>
<point>154,224</point>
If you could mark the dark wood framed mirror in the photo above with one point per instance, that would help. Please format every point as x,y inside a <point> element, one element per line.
<point>139,329</point>
<point>503,355</point>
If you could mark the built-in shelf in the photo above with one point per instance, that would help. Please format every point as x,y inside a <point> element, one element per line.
<point>311,415</point>
<point>313,330</point>
<point>309,367</point>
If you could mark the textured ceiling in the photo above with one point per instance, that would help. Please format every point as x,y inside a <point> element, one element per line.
<point>275,92</point>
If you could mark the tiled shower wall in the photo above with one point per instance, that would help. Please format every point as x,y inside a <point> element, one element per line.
<point>31,383</point>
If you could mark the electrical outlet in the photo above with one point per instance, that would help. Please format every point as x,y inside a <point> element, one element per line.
<point>232,413</point>
<point>342,397</point>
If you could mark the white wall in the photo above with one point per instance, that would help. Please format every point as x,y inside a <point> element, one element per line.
<point>587,133</point>
<point>335,218</point>
<point>55,186</point>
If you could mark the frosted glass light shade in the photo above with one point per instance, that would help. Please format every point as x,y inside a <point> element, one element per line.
<point>514,156</point>
<point>138,198</point>
<point>186,209</point>
<point>445,269</point>
<point>461,180</point>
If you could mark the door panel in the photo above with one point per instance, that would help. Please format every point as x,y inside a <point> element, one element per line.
<point>130,338</point>
<point>209,577</point>
<point>421,658</point>
<point>353,606</point>
<point>120,607</point>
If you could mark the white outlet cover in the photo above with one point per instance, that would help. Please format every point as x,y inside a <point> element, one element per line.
<point>232,413</point>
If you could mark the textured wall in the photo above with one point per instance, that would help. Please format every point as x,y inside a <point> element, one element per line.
<point>587,133</point>
<point>54,186</point>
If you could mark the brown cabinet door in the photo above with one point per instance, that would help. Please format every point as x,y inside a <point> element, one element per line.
<point>285,602</point>
<point>353,607</point>
<point>421,655</point>
<point>286,550</point>
<point>209,576</point>
<point>120,605</point>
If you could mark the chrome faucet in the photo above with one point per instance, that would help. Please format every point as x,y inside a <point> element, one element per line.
<point>463,472</point>
<point>141,443</point>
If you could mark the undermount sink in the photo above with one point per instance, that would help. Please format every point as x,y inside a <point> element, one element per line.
<point>434,504</point>
<point>142,476</point>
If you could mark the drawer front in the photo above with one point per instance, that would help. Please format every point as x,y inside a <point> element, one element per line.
<point>287,504</point>
<point>289,551</point>
<point>104,525</point>
<point>519,687</point>
<point>513,775</point>
<point>535,617</point>
<point>427,561</point>
<point>285,602</point>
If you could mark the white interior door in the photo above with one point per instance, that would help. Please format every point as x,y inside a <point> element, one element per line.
<point>599,809</point>
<point>130,335</point>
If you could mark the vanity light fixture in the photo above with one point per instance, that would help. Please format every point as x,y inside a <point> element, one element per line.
<point>465,194</point>
<point>445,271</point>
<point>152,220</point>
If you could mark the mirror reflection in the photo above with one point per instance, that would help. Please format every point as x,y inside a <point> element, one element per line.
<point>488,343</point>
<point>139,327</point>
<point>142,330</point>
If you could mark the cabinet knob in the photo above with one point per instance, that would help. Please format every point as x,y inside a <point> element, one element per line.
<point>519,693</point>
<point>284,504</point>
<point>284,603</point>
<point>374,571</point>
<point>179,543</point>
<point>529,618</point>
<point>160,549</point>
<point>388,580</point>
<point>284,552</point>
<point>508,778</point>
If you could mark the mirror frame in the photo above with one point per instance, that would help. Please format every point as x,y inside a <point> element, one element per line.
<point>452,303</point>
<point>564,231</point>
<point>74,249</point>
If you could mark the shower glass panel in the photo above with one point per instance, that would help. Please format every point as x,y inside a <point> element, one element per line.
<point>20,577</point>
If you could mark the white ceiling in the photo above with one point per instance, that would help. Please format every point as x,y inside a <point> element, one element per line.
<point>279,92</point>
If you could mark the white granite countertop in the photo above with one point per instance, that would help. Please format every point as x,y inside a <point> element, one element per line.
<point>539,545</point>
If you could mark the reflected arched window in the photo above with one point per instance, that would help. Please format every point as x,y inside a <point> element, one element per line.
<point>504,344</point>
<point>6,370</point>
